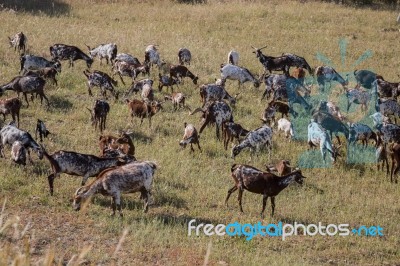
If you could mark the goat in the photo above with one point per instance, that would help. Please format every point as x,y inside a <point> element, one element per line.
<point>179,72</point>
<point>190,137</point>
<point>68,52</point>
<point>167,81</point>
<point>73,163</point>
<point>152,56</point>
<point>282,167</point>
<point>331,124</point>
<point>378,118</point>
<point>395,154</point>
<point>11,106</point>
<point>10,134</point>
<point>25,85</point>
<point>123,145</point>
<point>213,92</point>
<point>381,155</point>
<point>46,73</point>
<point>184,56</point>
<point>129,178</point>
<point>215,112</point>
<point>98,114</point>
<point>127,58</point>
<point>31,62</point>
<point>286,126</point>
<point>317,135</point>
<point>123,68</point>
<point>19,42</point>
<point>268,116</point>
<point>358,96</point>
<point>142,109</point>
<point>232,130</point>
<point>240,74</point>
<point>101,80</point>
<point>18,153</point>
<point>361,132</point>
<point>388,132</point>
<point>327,74</point>
<point>233,58</point>
<point>281,107</point>
<point>331,108</point>
<point>274,82</point>
<point>107,51</point>
<point>251,179</point>
<point>41,130</point>
<point>299,73</point>
<point>177,99</point>
<point>387,89</point>
<point>389,107</point>
<point>254,140</point>
<point>365,78</point>
<point>147,93</point>
<point>138,86</point>
<point>281,63</point>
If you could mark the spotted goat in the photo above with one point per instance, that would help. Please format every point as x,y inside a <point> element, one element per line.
<point>102,80</point>
<point>255,140</point>
<point>32,62</point>
<point>242,75</point>
<point>213,92</point>
<point>233,58</point>
<point>19,42</point>
<point>232,130</point>
<point>167,81</point>
<point>107,51</point>
<point>326,75</point>
<point>11,106</point>
<point>178,100</point>
<point>191,136</point>
<point>71,53</point>
<point>18,153</point>
<point>41,130</point>
<point>98,114</point>
<point>358,131</point>
<point>184,56</point>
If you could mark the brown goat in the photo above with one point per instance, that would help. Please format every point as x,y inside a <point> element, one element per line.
<point>177,99</point>
<point>11,106</point>
<point>231,130</point>
<point>395,154</point>
<point>142,109</point>
<point>123,143</point>
<point>190,137</point>
<point>99,114</point>
<point>280,107</point>
<point>46,73</point>
<point>249,178</point>
<point>179,72</point>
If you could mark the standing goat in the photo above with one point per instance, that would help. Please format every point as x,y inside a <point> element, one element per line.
<point>389,107</point>
<point>318,136</point>
<point>177,99</point>
<point>19,42</point>
<point>361,132</point>
<point>130,178</point>
<point>233,58</point>
<point>152,56</point>
<point>213,92</point>
<point>286,126</point>
<point>179,72</point>
<point>167,81</point>
<point>327,74</point>
<point>127,58</point>
<point>70,53</point>
<point>365,78</point>
<point>190,137</point>
<point>101,80</point>
<point>41,130</point>
<point>99,114</point>
<point>240,74</point>
<point>251,179</point>
<point>255,140</point>
<point>31,62</point>
<point>143,109</point>
<point>107,51</point>
<point>137,86</point>
<point>232,130</point>
<point>184,56</point>
<point>18,153</point>
<point>11,106</point>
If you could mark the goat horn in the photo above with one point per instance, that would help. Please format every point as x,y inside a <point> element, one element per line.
<point>87,46</point>
<point>89,110</point>
<point>254,47</point>
<point>198,109</point>
<point>263,47</point>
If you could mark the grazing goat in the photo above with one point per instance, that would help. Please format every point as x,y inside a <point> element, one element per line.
<point>18,153</point>
<point>179,72</point>
<point>190,137</point>
<point>129,178</point>
<point>10,134</point>
<point>19,42</point>
<point>167,81</point>
<point>101,80</point>
<point>152,56</point>
<point>73,163</point>
<point>31,62</point>
<point>389,132</point>
<point>110,145</point>
<point>282,168</point>
<point>358,96</point>
<point>251,179</point>
<point>177,99</point>
<point>268,116</point>
<point>275,82</point>
<point>11,106</point>
<point>143,109</point>
<point>281,63</point>
<point>387,89</point>
<point>128,59</point>
<point>281,107</point>
<point>25,85</point>
<point>138,86</point>
<point>331,108</point>
<point>254,140</point>
<point>68,52</point>
<point>147,93</point>
<point>232,130</point>
<point>184,56</point>
<point>395,154</point>
<point>240,74</point>
<point>331,124</point>
<point>233,58</point>
<point>327,74</point>
<point>286,126</point>
<point>41,130</point>
<point>381,155</point>
<point>215,112</point>
<point>123,68</point>
<point>389,107</point>
<point>46,73</point>
<point>213,92</point>
<point>361,132</point>
<point>317,135</point>
<point>365,78</point>
<point>98,114</point>
<point>107,51</point>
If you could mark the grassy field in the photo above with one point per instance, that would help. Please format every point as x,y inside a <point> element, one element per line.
<point>44,229</point>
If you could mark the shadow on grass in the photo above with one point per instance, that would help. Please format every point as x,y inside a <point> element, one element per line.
<point>36,7</point>
<point>60,103</point>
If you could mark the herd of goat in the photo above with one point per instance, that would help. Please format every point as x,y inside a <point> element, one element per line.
<point>117,169</point>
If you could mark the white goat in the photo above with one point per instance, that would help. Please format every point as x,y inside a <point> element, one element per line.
<point>240,74</point>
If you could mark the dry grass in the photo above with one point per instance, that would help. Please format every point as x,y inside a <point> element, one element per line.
<point>189,185</point>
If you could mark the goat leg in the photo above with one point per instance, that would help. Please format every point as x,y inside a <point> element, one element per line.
<point>264,204</point>
<point>273,206</point>
<point>240,199</point>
